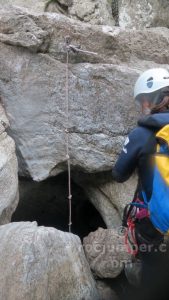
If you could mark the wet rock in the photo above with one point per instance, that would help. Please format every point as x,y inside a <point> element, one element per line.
<point>43,263</point>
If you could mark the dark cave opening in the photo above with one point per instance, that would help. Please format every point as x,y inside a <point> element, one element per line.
<point>47,203</point>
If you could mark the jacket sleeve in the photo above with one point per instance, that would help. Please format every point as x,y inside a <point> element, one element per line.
<point>128,159</point>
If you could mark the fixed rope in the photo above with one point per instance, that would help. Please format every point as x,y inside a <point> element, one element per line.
<point>74,49</point>
<point>67,141</point>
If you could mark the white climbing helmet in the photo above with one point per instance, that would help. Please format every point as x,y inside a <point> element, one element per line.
<point>150,81</point>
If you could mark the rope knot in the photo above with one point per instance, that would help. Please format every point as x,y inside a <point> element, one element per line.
<point>67,156</point>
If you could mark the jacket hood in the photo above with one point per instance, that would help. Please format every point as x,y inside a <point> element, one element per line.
<point>155,121</point>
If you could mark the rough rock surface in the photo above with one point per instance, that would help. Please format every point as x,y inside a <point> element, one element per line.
<point>110,199</point>
<point>92,11</point>
<point>32,83</point>
<point>30,5</point>
<point>8,172</point>
<point>138,14</point>
<point>106,252</point>
<point>97,12</point>
<point>135,14</point>
<point>43,263</point>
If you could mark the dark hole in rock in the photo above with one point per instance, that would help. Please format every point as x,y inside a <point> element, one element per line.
<point>62,8</point>
<point>118,287</point>
<point>46,202</point>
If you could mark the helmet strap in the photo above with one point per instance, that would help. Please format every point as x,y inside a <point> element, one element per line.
<point>145,105</point>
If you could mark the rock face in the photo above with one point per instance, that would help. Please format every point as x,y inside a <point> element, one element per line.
<point>43,263</point>
<point>134,14</point>
<point>98,12</point>
<point>30,5</point>
<point>106,252</point>
<point>101,106</point>
<point>138,14</point>
<point>32,82</point>
<point>8,172</point>
<point>110,199</point>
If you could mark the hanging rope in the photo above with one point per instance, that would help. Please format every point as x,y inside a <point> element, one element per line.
<point>67,139</point>
<point>74,49</point>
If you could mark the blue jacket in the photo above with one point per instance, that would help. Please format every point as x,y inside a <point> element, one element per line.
<point>139,145</point>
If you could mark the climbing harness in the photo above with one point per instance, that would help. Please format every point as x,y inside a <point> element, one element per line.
<point>74,49</point>
<point>130,238</point>
<point>133,211</point>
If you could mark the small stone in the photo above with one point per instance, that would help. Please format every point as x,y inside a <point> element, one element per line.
<point>106,252</point>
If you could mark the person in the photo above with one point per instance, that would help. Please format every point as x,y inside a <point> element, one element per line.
<point>151,91</point>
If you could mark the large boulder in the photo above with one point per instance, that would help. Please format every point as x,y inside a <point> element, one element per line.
<point>8,172</point>
<point>32,81</point>
<point>43,263</point>
<point>110,198</point>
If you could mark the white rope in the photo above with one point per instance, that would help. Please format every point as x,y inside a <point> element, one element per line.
<point>75,49</point>
<point>67,141</point>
